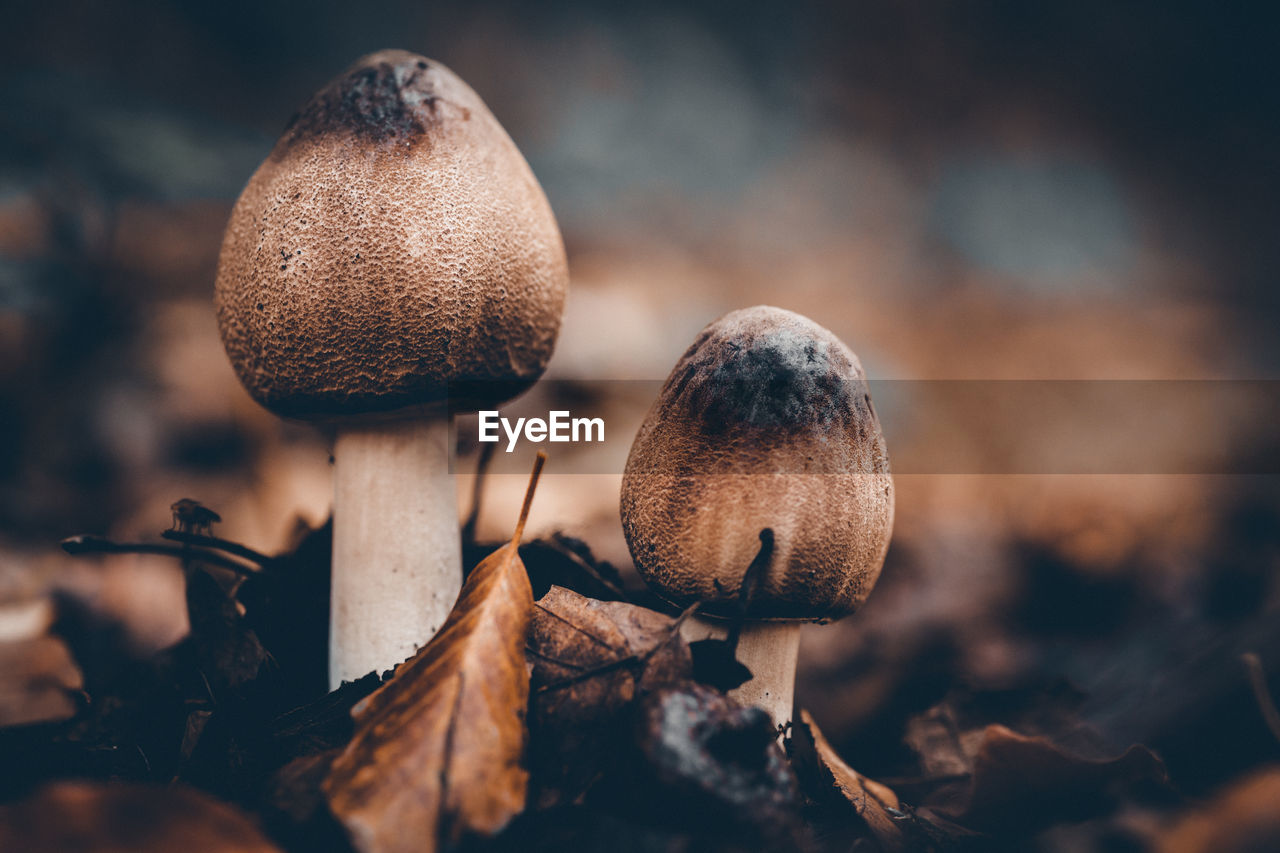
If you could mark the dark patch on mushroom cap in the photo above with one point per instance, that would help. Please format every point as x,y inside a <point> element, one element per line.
<point>765,422</point>
<point>385,96</point>
<point>768,377</point>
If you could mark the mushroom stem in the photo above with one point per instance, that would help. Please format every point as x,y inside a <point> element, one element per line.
<point>769,650</point>
<point>397,554</point>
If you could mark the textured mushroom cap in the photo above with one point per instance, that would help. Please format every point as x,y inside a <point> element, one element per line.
<point>394,244</point>
<point>766,421</point>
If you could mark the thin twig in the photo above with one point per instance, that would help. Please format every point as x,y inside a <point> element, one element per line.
<point>587,674</point>
<point>685,616</point>
<point>477,492</point>
<point>576,558</point>
<point>1258,681</point>
<point>202,541</point>
<point>77,545</point>
<point>528,498</point>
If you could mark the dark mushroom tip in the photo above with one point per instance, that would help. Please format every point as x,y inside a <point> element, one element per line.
<point>388,96</point>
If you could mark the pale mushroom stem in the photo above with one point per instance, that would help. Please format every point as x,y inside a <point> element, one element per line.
<point>397,552</point>
<point>769,650</point>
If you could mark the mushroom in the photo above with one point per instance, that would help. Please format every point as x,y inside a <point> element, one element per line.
<point>392,261</point>
<point>765,424</point>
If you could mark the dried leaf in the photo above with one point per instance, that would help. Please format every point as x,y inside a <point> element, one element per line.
<point>294,790</point>
<point>590,660</point>
<point>321,725</point>
<point>579,644</point>
<point>874,803</point>
<point>1022,783</point>
<point>40,681</point>
<point>127,819</point>
<point>436,752</point>
<point>992,778</point>
<point>1243,818</point>
<point>293,807</point>
<point>437,749</point>
<point>227,651</point>
<point>942,749</point>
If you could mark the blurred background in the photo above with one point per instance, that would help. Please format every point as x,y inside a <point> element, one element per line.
<point>990,190</point>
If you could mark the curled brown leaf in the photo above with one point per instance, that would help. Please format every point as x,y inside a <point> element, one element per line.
<point>875,804</point>
<point>1020,783</point>
<point>590,660</point>
<point>436,753</point>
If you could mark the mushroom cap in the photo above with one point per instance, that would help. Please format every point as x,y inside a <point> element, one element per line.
<point>766,421</point>
<point>393,249</point>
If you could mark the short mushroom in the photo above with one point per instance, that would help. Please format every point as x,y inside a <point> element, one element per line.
<point>765,423</point>
<point>392,261</point>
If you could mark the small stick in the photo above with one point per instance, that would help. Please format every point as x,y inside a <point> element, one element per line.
<point>767,649</point>
<point>538,462</point>
<point>752,579</point>
<point>77,545</point>
<point>219,544</point>
<point>1258,681</point>
<point>477,492</point>
<point>573,557</point>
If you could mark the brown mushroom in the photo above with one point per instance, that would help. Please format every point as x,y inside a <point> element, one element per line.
<point>766,422</point>
<point>392,261</point>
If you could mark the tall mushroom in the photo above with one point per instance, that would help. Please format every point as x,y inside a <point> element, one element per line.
<point>766,422</point>
<point>393,260</point>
